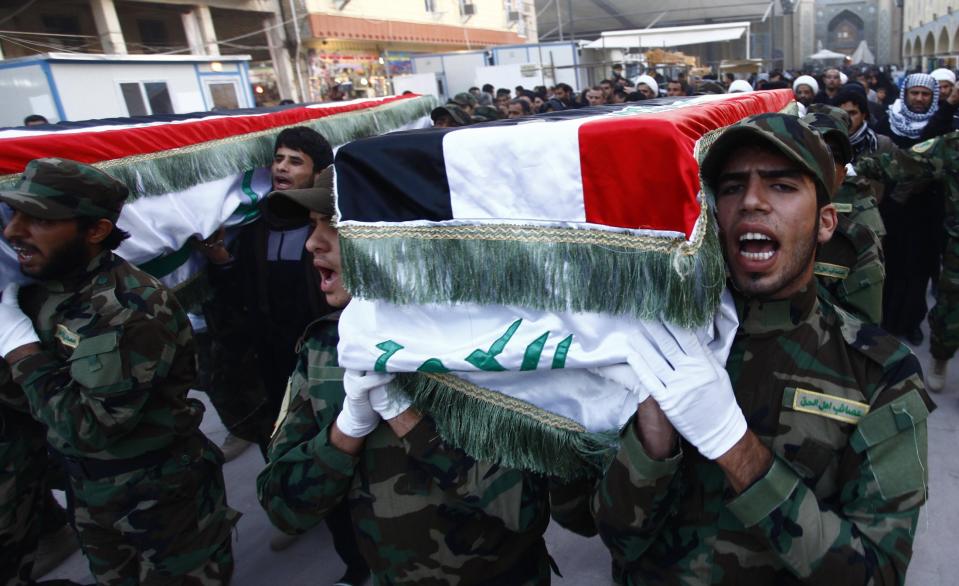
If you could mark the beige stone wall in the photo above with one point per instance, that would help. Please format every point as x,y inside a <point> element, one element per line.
<point>488,14</point>
<point>917,13</point>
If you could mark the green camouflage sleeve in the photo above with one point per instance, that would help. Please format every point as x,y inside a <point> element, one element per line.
<point>865,537</point>
<point>306,476</point>
<point>944,317</point>
<point>11,395</point>
<point>635,497</point>
<point>98,395</point>
<point>569,504</point>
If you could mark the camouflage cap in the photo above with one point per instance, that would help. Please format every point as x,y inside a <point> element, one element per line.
<point>464,100</point>
<point>296,203</point>
<point>459,117</point>
<point>488,113</point>
<point>60,189</point>
<point>785,133</point>
<point>833,123</point>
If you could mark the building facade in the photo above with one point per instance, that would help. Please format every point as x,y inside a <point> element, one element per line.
<point>867,31</point>
<point>209,28</point>
<point>360,44</point>
<point>931,34</point>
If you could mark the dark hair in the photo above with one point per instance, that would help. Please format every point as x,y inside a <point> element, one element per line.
<point>852,96</point>
<point>34,119</point>
<point>473,88</point>
<point>527,109</point>
<point>609,81</point>
<point>113,239</point>
<point>310,142</point>
<point>286,102</point>
<point>565,87</point>
<point>619,91</point>
<point>488,88</point>
<point>502,92</point>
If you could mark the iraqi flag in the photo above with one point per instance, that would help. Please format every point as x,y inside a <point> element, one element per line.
<point>189,174</point>
<point>502,273</point>
<point>597,209</point>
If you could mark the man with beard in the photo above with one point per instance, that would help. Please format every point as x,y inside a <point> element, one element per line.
<point>831,81</point>
<point>825,483</point>
<point>564,93</point>
<point>424,511</point>
<point>104,355</point>
<point>947,85</point>
<point>914,234</point>
<point>647,86</point>
<point>805,89</point>
<point>935,161</point>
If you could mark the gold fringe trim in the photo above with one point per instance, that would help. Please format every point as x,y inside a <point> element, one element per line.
<point>506,402</point>
<point>537,234</point>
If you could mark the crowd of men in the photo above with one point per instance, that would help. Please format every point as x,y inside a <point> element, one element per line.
<point>801,458</point>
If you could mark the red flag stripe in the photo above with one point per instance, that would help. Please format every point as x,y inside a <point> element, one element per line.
<point>105,145</point>
<point>636,168</point>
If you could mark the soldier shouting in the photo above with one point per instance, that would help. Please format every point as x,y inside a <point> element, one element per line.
<point>104,355</point>
<point>804,460</point>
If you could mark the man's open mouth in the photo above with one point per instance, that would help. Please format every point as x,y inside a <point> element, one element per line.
<point>328,277</point>
<point>757,246</point>
<point>24,252</point>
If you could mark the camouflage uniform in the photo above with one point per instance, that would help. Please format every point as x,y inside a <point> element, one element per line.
<point>928,166</point>
<point>850,266</point>
<point>841,406</point>
<point>110,383</point>
<point>424,512</point>
<point>23,468</point>
<point>841,501</point>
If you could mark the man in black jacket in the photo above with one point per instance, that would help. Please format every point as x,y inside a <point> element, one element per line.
<point>914,234</point>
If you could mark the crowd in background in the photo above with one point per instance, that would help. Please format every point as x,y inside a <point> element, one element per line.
<point>490,103</point>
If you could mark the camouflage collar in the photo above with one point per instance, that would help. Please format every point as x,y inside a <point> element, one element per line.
<point>79,280</point>
<point>757,316</point>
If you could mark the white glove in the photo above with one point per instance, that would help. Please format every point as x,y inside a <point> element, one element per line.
<point>623,374</point>
<point>387,404</point>
<point>358,419</point>
<point>16,329</point>
<point>723,331</point>
<point>691,388</point>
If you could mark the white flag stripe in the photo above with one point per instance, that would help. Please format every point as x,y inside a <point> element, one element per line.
<point>491,174</point>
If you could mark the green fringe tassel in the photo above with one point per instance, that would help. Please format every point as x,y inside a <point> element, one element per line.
<point>492,433</point>
<point>180,169</point>
<point>681,288</point>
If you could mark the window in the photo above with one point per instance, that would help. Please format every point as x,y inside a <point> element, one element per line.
<point>148,97</point>
<point>223,94</point>
<point>134,99</point>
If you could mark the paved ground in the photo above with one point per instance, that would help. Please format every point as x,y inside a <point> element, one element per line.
<point>312,562</point>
